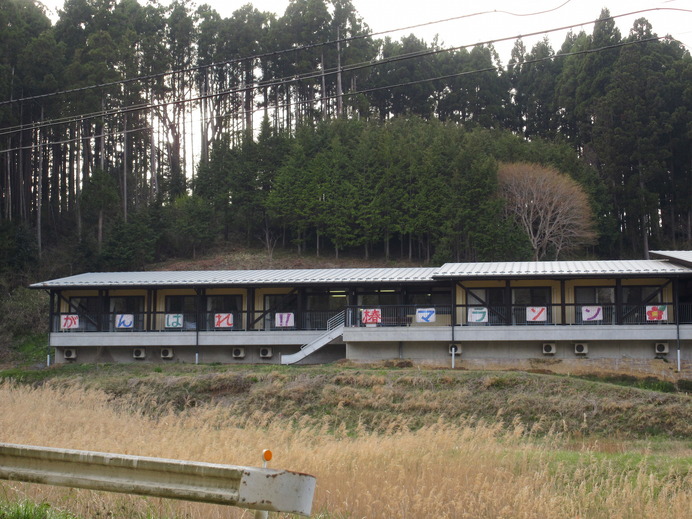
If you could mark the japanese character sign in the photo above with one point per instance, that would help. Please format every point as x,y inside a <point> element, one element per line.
<point>536,314</point>
<point>69,322</point>
<point>223,320</point>
<point>174,320</point>
<point>425,315</point>
<point>371,316</point>
<point>591,313</point>
<point>477,314</point>
<point>124,321</point>
<point>657,313</point>
<point>285,320</point>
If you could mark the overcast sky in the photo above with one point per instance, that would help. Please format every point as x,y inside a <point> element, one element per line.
<point>502,18</point>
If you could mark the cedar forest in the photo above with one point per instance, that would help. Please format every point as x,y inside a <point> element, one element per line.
<point>132,132</point>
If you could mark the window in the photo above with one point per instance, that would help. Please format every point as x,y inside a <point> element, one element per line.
<point>181,304</point>
<point>378,298</point>
<point>430,297</point>
<point>325,300</point>
<point>89,311</point>
<point>640,295</point>
<point>594,295</point>
<point>538,296</point>
<point>321,305</point>
<point>494,300</point>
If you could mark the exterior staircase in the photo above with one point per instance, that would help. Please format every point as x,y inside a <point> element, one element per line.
<point>335,328</point>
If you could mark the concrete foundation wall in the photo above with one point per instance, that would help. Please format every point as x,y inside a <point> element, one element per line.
<point>622,348</point>
<point>190,355</point>
<point>174,339</point>
<point>628,356</point>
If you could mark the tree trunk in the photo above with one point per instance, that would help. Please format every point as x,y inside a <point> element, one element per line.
<point>99,236</point>
<point>125,170</point>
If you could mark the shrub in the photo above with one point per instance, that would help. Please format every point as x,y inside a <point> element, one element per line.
<point>685,385</point>
<point>24,312</point>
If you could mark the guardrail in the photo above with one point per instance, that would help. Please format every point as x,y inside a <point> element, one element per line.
<point>246,487</point>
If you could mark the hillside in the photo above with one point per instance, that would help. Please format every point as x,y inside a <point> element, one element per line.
<point>243,258</point>
<point>382,396</point>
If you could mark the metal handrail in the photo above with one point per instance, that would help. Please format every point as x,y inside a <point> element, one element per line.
<point>336,321</point>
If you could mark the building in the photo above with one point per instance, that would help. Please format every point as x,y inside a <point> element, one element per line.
<point>561,316</point>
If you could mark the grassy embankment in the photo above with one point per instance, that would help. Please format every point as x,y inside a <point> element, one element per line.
<point>383,442</point>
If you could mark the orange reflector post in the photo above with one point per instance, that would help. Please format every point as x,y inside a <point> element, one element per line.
<point>266,455</point>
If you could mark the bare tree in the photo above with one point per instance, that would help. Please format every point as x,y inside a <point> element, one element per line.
<point>551,207</point>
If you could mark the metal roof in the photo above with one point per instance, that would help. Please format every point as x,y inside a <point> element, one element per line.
<point>560,269</point>
<point>678,256</point>
<point>298,277</point>
<point>291,277</point>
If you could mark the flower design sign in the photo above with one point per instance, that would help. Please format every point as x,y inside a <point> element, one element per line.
<point>657,313</point>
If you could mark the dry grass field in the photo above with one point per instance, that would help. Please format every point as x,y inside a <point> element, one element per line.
<point>466,467</point>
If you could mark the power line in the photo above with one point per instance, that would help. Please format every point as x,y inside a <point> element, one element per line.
<point>270,54</point>
<point>310,75</point>
<point>320,44</point>
<point>349,94</point>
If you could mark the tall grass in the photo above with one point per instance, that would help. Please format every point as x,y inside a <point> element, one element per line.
<point>30,510</point>
<point>479,470</point>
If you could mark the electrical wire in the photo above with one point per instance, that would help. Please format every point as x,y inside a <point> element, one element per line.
<point>348,94</point>
<point>309,75</point>
<point>274,53</point>
<point>315,45</point>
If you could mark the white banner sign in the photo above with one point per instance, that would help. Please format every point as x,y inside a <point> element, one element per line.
<point>223,320</point>
<point>371,316</point>
<point>591,313</point>
<point>425,315</point>
<point>657,313</point>
<point>285,320</point>
<point>536,314</point>
<point>478,314</point>
<point>124,321</point>
<point>69,322</point>
<point>174,320</point>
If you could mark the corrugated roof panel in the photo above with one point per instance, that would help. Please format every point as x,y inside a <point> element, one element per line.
<point>560,268</point>
<point>242,277</point>
<point>294,277</point>
<point>682,256</point>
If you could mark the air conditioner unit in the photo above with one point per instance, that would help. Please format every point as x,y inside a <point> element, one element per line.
<point>139,353</point>
<point>581,348</point>
<point>549,348</point>
<point>238,353</point>
<point>69,353</point>
<point>455,349</point>
<point>265,352</point>
<point>166,353</point>
<point>661,348</point>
